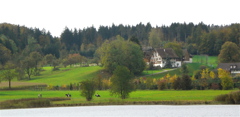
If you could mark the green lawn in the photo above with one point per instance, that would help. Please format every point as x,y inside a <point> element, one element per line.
<point>66,75</point>
<point>191,67</point>
<point>149,72</point>
<point>140,95</point>
<point>206,60</point>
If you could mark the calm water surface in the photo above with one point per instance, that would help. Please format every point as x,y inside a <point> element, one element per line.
<point>128,111</point>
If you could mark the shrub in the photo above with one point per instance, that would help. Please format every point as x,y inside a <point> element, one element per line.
<point>87,89</point>
<point>50,87</point>
<point>221,98</point>
<point>26,103</point>
<point>177,84</point>
<point>186,82</point>
<point>55,69</point>
<point>162,84</point>
<point>38,103</point>
<point>215,86</point>
<point>71,86</point>
<point>231,98</point>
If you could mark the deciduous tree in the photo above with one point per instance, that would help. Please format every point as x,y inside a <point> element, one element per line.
<point>176,47</point>
<point>87,88</point>
<point>155,37</point>
<point>121,82</point>
<point>184,69</point>
<point>52,60</point>
<point>5,54</point>
<point>8,73</point>
<point>36,57</point>
<point>28,65</point>
<point>123,53</point>
<point>226,79</point>
<point>230,52</point>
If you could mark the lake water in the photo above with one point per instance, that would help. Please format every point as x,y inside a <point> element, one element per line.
<point>128,111</point>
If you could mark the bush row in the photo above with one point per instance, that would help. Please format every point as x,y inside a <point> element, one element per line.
<point>29,102</point>
<point>231,98</point>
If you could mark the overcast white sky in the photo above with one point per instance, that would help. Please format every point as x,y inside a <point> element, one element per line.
<point>55,15</point>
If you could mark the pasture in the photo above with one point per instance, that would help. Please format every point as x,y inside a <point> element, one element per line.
<point>136,96</point>
<point>211,61</point>
<point>65,76</point>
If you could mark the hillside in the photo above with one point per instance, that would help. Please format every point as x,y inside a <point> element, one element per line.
<point>66,75</point>
<point>191,66</point>
<point>198,60</point>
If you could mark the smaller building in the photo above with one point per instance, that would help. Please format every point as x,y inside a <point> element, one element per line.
<point>187,58</point>
<point>233,68</point>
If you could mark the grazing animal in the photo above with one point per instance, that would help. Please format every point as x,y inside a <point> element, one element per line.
<point>97,95</point>
<point>68,95</point>
<point>39,95</point>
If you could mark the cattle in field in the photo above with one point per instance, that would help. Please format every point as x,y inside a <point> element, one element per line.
<point>39,95</point>
<point>97,95</point>
<point>68,95</point>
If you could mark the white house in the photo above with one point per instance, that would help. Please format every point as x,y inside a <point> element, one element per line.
<point>160,55</point>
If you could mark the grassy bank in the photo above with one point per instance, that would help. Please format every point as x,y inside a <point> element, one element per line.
<point>137,97</point>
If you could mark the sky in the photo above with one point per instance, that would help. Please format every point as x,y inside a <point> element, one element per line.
<point>55,15</point>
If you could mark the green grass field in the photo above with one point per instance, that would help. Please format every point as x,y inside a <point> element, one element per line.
<point>149,72</point>
<point>66,75</point>
<point>206,60</point>
<point>140,95</point>
<point>191,67</point>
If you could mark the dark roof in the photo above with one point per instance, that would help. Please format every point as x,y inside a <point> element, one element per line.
<point>227,66</point>
<point>166,53</point>
<point>186,55</point>
<point>147,54</point>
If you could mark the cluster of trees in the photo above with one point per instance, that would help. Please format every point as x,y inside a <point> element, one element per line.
<point>197,38</point>
<point>120,84</point>
<point>220,79</point>
<point>32,65</point>
<point>202,79</point>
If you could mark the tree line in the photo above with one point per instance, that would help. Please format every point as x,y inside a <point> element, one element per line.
<point>197,38</point>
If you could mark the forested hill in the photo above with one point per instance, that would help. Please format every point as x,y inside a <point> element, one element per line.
<point>198,39</point>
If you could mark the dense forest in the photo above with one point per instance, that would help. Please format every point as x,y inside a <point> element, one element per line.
<point>197,38</point>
